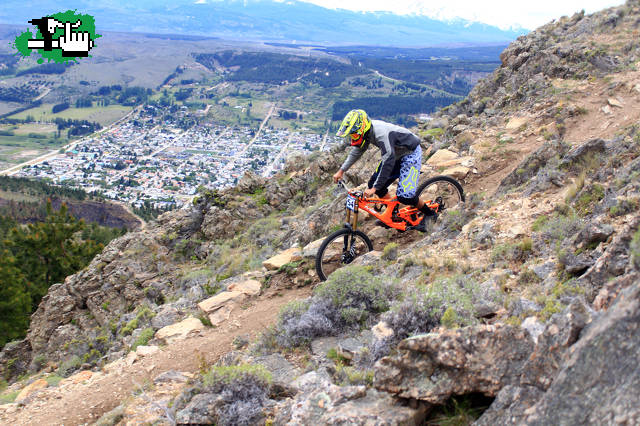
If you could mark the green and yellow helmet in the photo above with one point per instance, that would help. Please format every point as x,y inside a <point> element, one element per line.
<point>355,123</point>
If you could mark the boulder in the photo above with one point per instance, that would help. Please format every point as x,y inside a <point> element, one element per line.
<point>600,380</point>
<point>276,262</point>
<point>433,367</point>
<point>248,287</point>
<point>561,332</point>
<point>311,249</point>
<point>441,156</point>
<point>221,299</point>
<point>516,122</point>
<point>510,406</point>
<point>79,377</point>
<point>147,350</point>
<point>613,263</point>
<point>172,376</point>
<point>347,405</point>
<point>180,331</point>
<point>457,172</point>
<point>282,372</point>
<point>615,103</point>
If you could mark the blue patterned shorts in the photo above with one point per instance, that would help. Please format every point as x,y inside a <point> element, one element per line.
<point>407,171</point>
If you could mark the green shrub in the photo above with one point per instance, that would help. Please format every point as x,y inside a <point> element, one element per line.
<point>635,249</point>
<point>560,225</point>
<point>450,318</point>
<point>143,338</point>
<point>422,308</point>
<point>8,397</point>
<point>588,199</point>
<point>355,292</point>
<point>69,366</point>
<point>53,379</point>
<point>221,376</point>
<point>347,299</point>
<point>242,392</point>
<point>390,251</point>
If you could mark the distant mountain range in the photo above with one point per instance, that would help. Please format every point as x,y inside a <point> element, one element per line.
<point>265,20</point>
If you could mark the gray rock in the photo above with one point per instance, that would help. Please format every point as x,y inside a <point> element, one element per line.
<point>544,270</point>
<point>171,376</point>
<point>350,347</point>
<point>604,366</point>
<point>487,300</point>
<point>200,410</point>
<point>15,358</point>
<point>312,380</point>
<point>613,263</point>
<point>166,316</point>
<point>282,371</point>
<point>576,264</point>
<point>348,405</point>
<point>534,327</point>
<point>320,347</point>
<point>529,166</point>
<point>523,306</point>
<point>574,156</point>
<point>485,236</point>
<point>509,406</point>
<point>593,233</point>
<point>433,367</point>
<point>561,332</point>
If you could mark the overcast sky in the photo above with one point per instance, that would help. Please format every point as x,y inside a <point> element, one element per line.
<point>501,13</point>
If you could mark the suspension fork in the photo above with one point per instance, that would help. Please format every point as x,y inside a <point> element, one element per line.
<point>352,224</point>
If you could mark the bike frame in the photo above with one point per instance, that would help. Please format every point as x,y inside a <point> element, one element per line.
<point>407,215</point>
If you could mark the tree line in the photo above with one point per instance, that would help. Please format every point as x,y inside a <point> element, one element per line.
<point>38,255</point>
<point>277,68</point>
<point>390,106</point>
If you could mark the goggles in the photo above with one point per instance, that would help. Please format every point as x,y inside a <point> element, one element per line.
<point>356,139</point>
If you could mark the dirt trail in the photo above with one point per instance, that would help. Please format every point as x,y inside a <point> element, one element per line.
<point>85,403</point>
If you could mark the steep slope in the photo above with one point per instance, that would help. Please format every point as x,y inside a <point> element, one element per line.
<point>523,294</point>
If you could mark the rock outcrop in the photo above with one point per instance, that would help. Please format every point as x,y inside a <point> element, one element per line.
<point>435,366</point>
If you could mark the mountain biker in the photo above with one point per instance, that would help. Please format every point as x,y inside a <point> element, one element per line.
<point>401,159</point>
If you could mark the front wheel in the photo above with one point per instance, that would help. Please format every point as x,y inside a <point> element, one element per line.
<point>444,191</point>
<point>339,249</point>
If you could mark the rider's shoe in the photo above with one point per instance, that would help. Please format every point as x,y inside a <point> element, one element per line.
<point>422,226</point>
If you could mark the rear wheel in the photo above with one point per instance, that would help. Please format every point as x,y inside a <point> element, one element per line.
<point>339,249</point>
<point>443,190</point>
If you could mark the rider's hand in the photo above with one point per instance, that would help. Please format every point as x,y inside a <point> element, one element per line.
<point>369,192</point>
<point>338,176</point>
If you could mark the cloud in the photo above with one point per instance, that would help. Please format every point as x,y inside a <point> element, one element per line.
<point>499,13</point>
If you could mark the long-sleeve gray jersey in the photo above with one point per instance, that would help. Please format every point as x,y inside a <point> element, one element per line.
<point>394,142</point>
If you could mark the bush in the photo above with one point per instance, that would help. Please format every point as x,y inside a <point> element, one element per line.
<point>635,249</point>
<point>561,225</point>
<point>243,389</point>
<point>69,366</point>
<point>143,338</point>
<point>423,308</point>
<point>348,298</point>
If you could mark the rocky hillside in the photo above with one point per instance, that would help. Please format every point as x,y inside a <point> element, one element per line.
<point>519,308</point>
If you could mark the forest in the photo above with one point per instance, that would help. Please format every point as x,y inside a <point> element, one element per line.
<point>276,68</point>
<point>390,106</point>
<point>438,73</point>
<point>38,255</point>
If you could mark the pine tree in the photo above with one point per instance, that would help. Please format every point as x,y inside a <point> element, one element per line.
<point>15,302</point>
<point>48,251</point>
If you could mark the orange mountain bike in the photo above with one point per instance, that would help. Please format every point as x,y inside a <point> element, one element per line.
<point>343,246</point>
